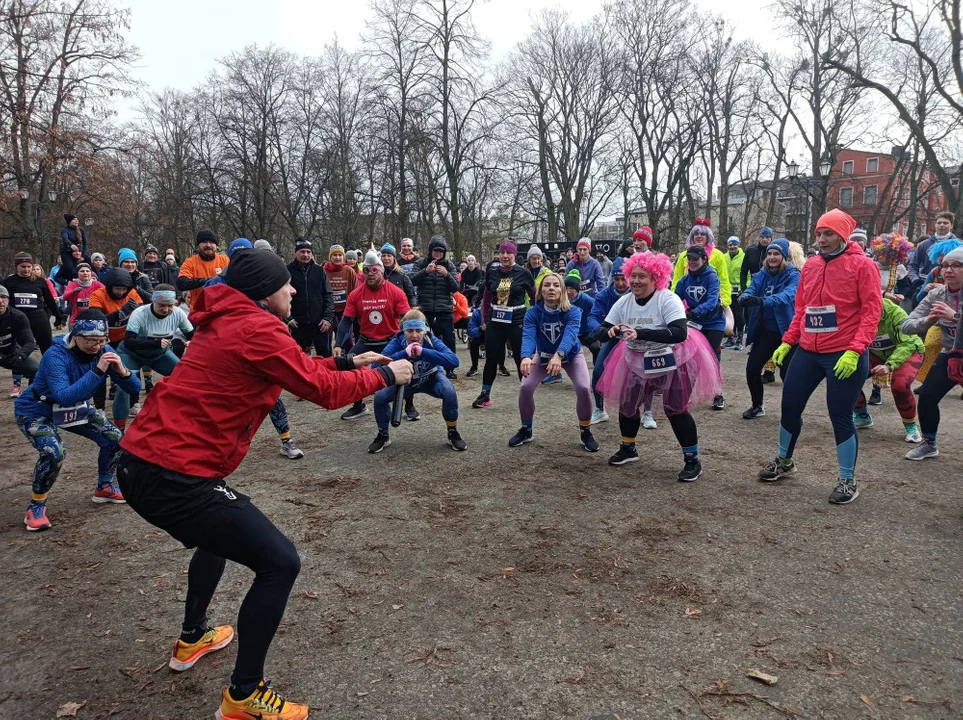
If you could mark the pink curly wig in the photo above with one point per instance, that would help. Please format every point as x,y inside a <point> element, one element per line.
<point>655,264</point>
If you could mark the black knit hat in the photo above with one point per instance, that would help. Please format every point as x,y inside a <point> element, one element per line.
<point>256,273</point>
<point>303,243</point>
<point>206,236</point>
<point>69,218</point>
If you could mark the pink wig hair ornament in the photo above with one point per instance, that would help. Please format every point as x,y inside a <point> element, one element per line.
<point>702,226</point>
<point>655,264</point>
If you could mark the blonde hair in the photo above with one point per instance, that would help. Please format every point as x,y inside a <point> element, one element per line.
<point>563,304</point>
<point>414,314</point>
<point>797,256</point>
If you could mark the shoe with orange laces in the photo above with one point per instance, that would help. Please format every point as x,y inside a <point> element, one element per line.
<point>36,518</point>
<point>185,654</point>
<point>109,493</point>
<point>263,704</point>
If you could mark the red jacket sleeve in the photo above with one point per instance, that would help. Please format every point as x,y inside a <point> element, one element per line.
<point>274,352</point>
<point>870,303</point>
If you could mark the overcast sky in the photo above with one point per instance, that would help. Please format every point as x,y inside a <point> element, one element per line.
<point>181,40</point>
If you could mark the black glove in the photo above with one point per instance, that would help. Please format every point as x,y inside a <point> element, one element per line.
<point>129,307</point>
<point>750,301</point>
<point>7,361</point>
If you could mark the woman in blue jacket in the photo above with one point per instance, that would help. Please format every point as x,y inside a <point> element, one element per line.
<point>549,344</point>
<point>432,361</point>
<point>60,398</point>
<point>700,288</point>
<point>770,300</point>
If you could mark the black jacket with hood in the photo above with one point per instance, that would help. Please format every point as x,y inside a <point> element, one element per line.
<point>313,302</point>
<point>434,291</point>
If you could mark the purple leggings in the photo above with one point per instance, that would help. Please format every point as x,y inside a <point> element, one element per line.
<point>577,372</point>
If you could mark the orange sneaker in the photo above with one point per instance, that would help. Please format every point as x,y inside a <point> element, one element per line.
<point>108,494</point>
<point>36,518</point>
<point>264,704</point>
<point>185,654</point>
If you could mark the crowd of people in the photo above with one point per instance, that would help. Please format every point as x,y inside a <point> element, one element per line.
<point>228,332</point>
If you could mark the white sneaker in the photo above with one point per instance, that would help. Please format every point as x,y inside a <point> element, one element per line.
<point>648,422</point>
<point>599,416</point>
<point>290,450</point>
<point>134,409</point>
<point>914,437</point>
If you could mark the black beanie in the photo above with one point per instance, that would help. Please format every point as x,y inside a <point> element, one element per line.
<point>256,273</point>
<point>206,236</point>
<point>303,243</point>
<point>69,218</point>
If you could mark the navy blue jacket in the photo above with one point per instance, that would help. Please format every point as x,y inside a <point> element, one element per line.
<point>586,304</point>
<point>700,291</point>
<point>778,293</point>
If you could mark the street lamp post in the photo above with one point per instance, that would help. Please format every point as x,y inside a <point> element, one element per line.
<point>808,183</point>
<point>41,210</point>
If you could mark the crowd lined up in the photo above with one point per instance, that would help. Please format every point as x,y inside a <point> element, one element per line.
<point>229,332</point>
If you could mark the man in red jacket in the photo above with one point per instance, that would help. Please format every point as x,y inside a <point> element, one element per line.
<point>196,428</point>
<point>838,306</point>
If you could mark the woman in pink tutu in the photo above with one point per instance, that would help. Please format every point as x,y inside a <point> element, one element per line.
<point>658,358</point>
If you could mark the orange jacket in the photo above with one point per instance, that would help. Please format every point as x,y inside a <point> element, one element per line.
<point>196,268</point>
<point>460,311</point>
<point>111,307</point>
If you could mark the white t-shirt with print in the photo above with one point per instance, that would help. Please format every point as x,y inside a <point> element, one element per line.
<point>663,307</point>
<point>144,323</point>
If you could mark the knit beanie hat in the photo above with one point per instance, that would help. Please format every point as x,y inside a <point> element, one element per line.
<point>126,254</point>
<point>643,233</point>
<point>351,256</point>
<point>858,235</point>
<point>239,244</point>
<point>388,249</point>
<point>584,242</point>
<point>734,240</point>
<point>303,243</point>
<point>4,292</point>
<point>766,232</point>
<point>263,245</point>
<point>371,259</point>
<point>150,249</point>
<point>954,255</point>
<point>97,255</point>
<point>205,236</point>
<point>335,249</point>
<point>533,251</point>
<point>256,273</point>
<point>780,244</point>
<point>508,247</point>
<point>573,279</point>
<point>838,221</point>
<point>23,258</point>
<point>69,218</point>
<point>90,323</point>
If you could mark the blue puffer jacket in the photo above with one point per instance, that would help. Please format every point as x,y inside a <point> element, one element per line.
<point>586,304</point>
<point>603,303</point>
<point>550,331</point>
<point>778,293</point>
<point>701,292</point>
<point>435,355</point>
<point>67,377</point>
<point>474,324</point>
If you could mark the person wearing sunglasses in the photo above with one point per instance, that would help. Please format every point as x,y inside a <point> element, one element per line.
<point>59,398</point>
<point>378,306</point>
<point>940,308</point>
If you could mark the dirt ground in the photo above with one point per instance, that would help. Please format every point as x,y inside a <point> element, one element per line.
<point>529,583</point>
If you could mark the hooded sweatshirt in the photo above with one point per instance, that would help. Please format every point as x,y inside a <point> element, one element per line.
<point>434,290</point>
<point>718,263</point>
<point>700,291</point>
<point>593,277</point>
<point>200,421</point>
<point>846,286</point>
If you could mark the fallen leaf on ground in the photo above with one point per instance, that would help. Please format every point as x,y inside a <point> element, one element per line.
<point>868,700</point>
<point>397,607</point>
<point>69,709</point>
<point>310,595</point>
<point>762,677</point>
<point>692,612</point>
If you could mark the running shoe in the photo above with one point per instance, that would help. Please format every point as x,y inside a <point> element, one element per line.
<point>862,421</point>
<point>148,386</point>
<point>455,439</point>
<point>482,353</point>
<point>913,434</point>
<point>36,518</point>
<point>624,455</point>
<point>599,416</point>
<point>729,343</point>
<point>552,379</point>
<point>753,413</point>
<point>290,450</point>
<point>355,411</point>
<point>875,398</point>
<point>502,370</point>
<point>15,391</point>
<point>472,371</point>
<point>524,435</point>
<point>108,494</point>
<point>738,346</point>
<point>411,413</point>
<point>718,403</point>
<point>648,421</point>
<point>451,375</point>
<point>263,704</point>
<point>844,492</point>
<point>691,471</point>
<point>134,409</point>
<point>777,470</point>
<point>768,377</point>
<point>588,440</point>
<point>482,401</point>
<point>922,451</point>
<point>184,655</point>
<point>380,442</point>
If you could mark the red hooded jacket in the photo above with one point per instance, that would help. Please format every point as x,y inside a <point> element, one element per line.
<point>200,421</point>
<point>850,281</point>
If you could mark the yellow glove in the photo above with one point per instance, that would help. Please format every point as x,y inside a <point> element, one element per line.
<point>780,354</point>
<point>846,365</point>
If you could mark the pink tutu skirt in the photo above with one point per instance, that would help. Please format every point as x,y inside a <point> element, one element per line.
<point>696,380</point>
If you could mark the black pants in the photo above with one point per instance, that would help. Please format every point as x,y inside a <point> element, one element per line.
<point>588,340</point>
<point>474,348</point>
<point>27,367</point>
<point>683,426</point>
<point>738,315</point>
<point>496,335</point>
<point>443,326</point>
<point>763,346</point>
<point>308,334</point>
<point>934,388</point>
<point>40,327</point>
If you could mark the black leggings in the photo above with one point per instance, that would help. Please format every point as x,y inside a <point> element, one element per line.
<point>738,315</point>
<point>763,346</point>
<point>474,348</point>
<point>496,335</point>
<point>40,327</point>
<point>934,388</point>
<point>683,426</point>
